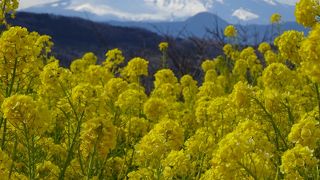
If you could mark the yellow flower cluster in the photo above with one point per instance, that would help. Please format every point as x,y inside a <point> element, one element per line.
<point>114,59</point>
<point>309,51</point>
<point>176,165</point>
<point>246,149</point>
<point>136,67</point>
<point>24,113</point>
<point>230,31</point>
<point>306,132</point>
<point>164,137</point>
<point>163,46</point>
<point>7,7</point>
<point>307,11</point>
<point>289,44</point>
<point>255,114</point>
<point>275,18</point>
<point>299,163</point>
<point>264,47</point>
<point>97,136</point>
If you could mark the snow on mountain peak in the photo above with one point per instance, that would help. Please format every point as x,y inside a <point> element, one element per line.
<point>153,10</point>
<point>206,4</point>
<point>180,7</point>
<point>87,7</point>
<point>245,15</point>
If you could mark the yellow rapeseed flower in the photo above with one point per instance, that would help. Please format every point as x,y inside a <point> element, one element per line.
<point>275,18</point>
<point>230,31</point>
<point>306,12</point>
<point>163,46</point>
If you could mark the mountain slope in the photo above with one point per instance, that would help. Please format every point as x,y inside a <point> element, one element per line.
<point>74,36</point>
<point>195,25</point>
<point>200,23</point>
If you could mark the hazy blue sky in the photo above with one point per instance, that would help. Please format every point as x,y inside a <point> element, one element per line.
<point>28,3</point>
<point>157,10</point>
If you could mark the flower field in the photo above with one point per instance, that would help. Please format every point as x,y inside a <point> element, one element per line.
<point>255,115</point>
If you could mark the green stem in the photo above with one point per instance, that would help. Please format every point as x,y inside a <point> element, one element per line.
<point>91,159</point>
<point>70,150</point>
<point>68,126</point>
<point>94,152</point>
<point>69,100</point>
<point>13,77</point>
<point>164,59</point>
<point>102,167</point>
<point>30,152</point>
<point>3,8</point>
<point>248,171</point>
<point>274,125</point>
<point>8,94</point>
<point>1,121</point>
<point>13,155</point>
<point>33,165</point>
<point>318,96</point>
<point>4,134</point>
<point>290,115</point>
<point>159,171</point>
<point>201,165</point>
<point>80,161</point>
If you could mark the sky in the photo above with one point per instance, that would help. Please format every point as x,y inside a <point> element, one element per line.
<point>136,10</point>
<point>29,3</point>
<point>291,2</point>
<point>153,10</point>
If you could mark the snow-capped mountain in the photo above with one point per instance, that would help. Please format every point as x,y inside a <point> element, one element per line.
<point>233,11</point>
<point>252,11</point>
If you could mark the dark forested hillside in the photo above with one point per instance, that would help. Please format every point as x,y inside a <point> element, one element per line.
<point>74,36</point>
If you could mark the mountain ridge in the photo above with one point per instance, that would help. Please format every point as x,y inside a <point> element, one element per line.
<point>74,36</point>
<point>233,11</point>
<point>200,25</point>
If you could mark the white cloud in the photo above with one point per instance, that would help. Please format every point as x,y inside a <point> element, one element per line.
<point>180,6</point>
<point>174,4</point>
<point>29,3</point>
<point>55,4</point>
<point>106,10</point>
<point>244,14</point>
<point>271,2</point>
<point>289,2</point>
<point>98,10</point>
<point>220,1</point>
<point>159,10</point>
<point>137,10</point>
